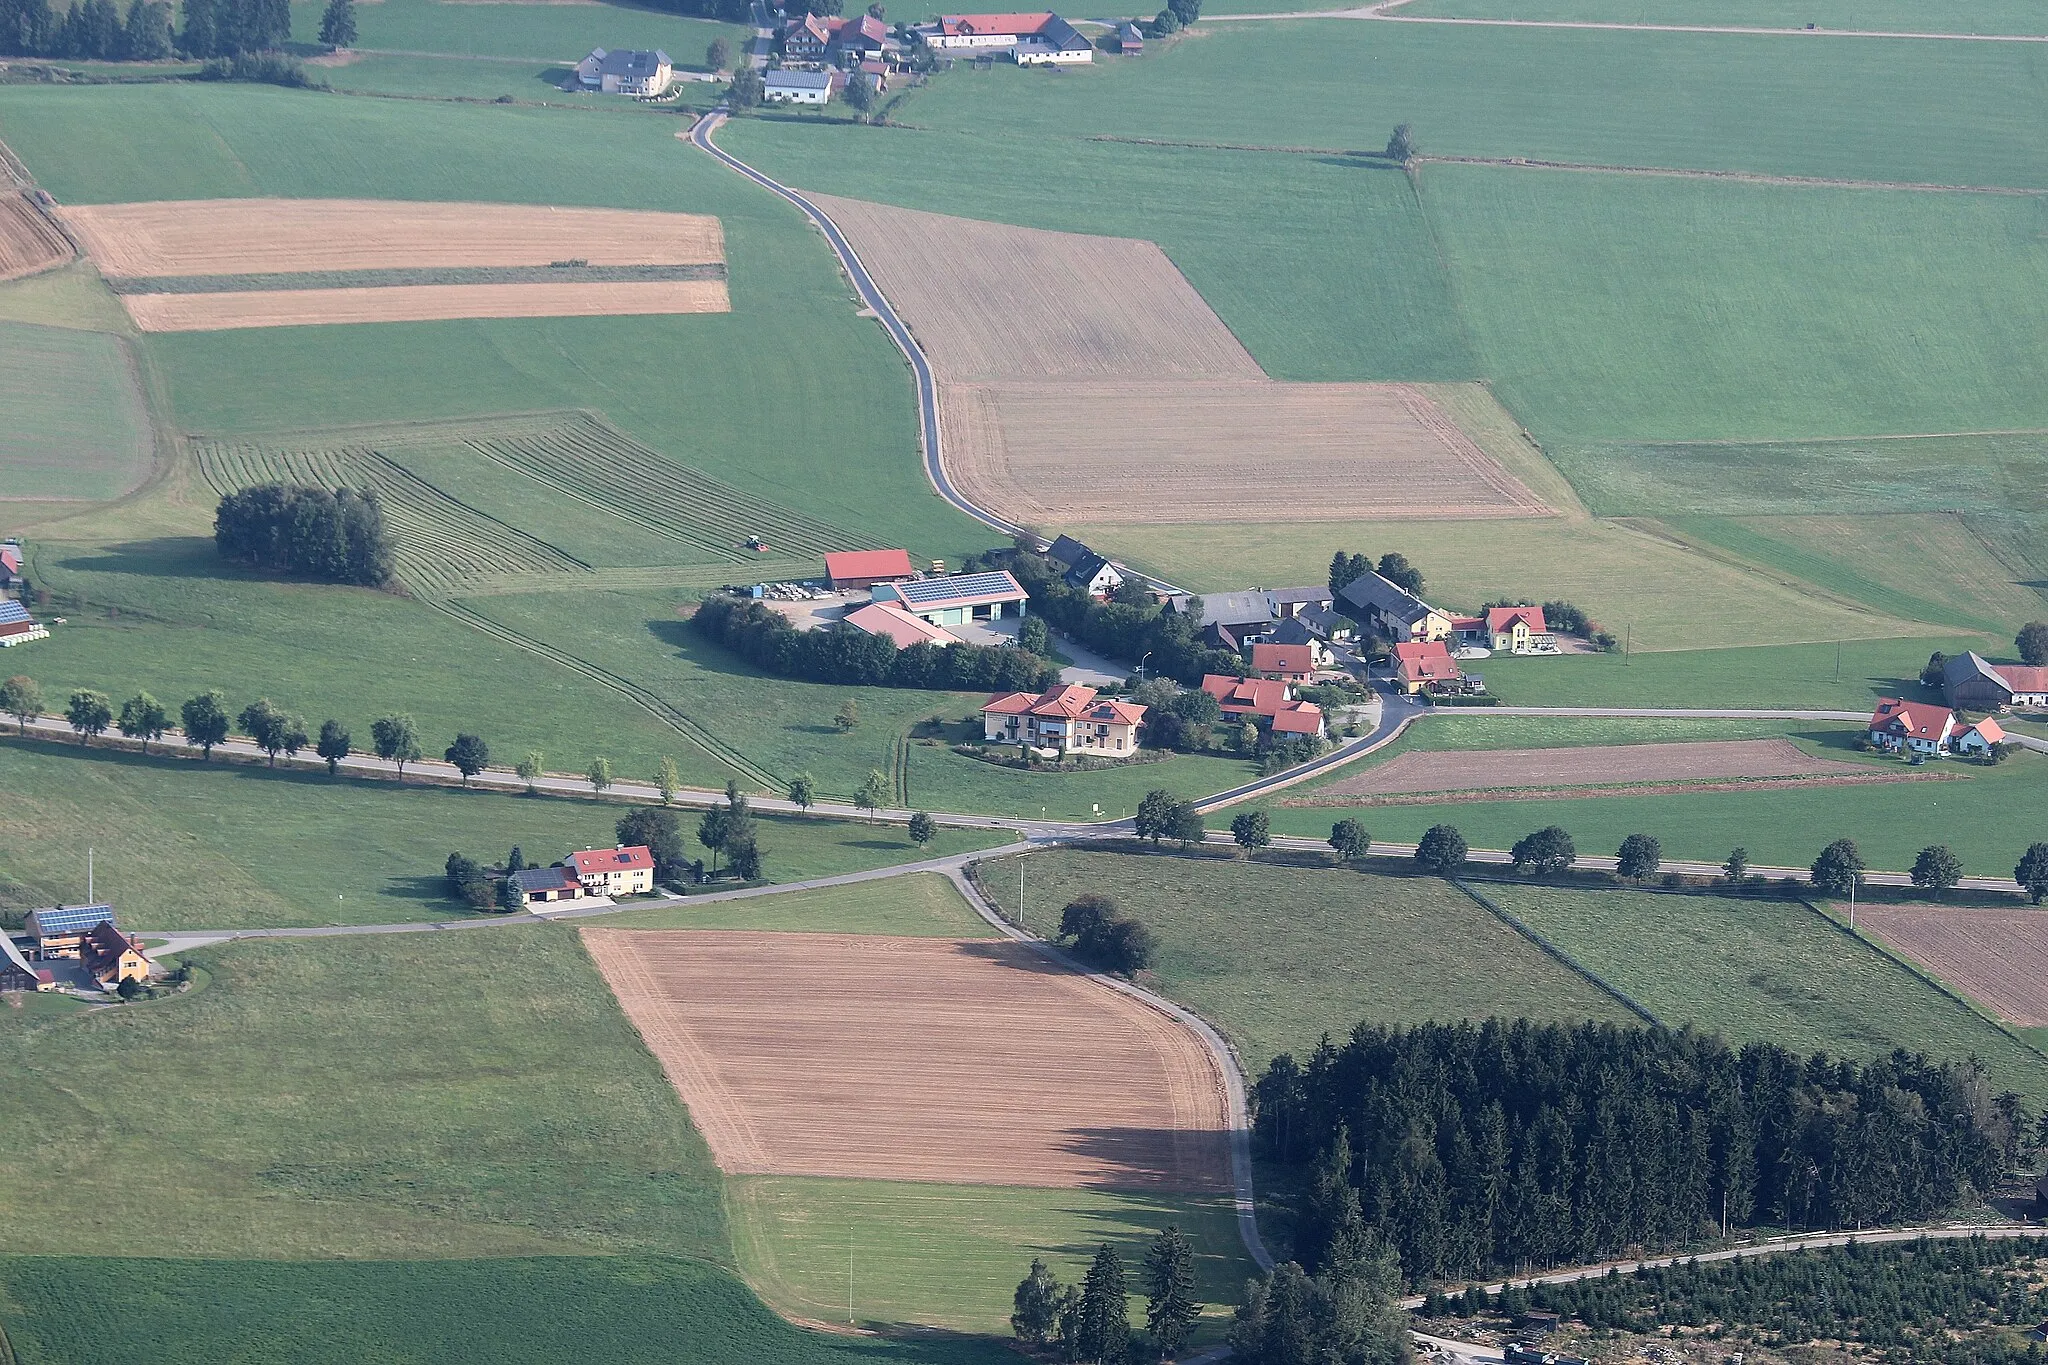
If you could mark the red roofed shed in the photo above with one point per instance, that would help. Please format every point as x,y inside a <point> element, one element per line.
<point>855,569</point>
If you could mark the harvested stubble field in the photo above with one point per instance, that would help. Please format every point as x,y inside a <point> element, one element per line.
<point>267,236</point>
<point>1192,451</point>
<point>989,301</point>
<point>967,1062</point>
<point>419,303</point>
<point>28,241</point>
<point>237,242</point>
<point>1998,958</point>
<point>1551,772</point>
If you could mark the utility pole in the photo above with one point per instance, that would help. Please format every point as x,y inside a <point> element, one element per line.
<point>1020,888</point>
<point>1628,639</point>
<point>90,899</point>
<point>1853,879</point>
<point>1838,661</point>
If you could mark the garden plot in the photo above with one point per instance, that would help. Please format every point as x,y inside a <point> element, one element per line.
<point>205,265</point>
<point>965,1062</point>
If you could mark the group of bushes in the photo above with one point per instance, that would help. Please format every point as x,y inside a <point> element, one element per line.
<point>843,655</point>
<point>336,535</point>
<point>1099,935</point>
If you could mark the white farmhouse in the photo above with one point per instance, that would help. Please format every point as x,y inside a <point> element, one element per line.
<point>797,87</point>
<point>623,72</point>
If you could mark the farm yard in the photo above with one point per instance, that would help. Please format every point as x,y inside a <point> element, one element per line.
<point>28,241</point>
<point>1050,452</point>
<point>1999,958</point>
<point>207,265</point>
<point>1712,764</point>
<point>943,1060</point>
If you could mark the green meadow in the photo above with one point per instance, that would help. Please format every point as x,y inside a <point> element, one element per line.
<point>538,33</point>
<point>949,1256</point>
<point>1277,956</point>
<point>920,905</point>
<point>529,1310</point>
<point>1996,16</point>
<point>76,426</point>
<point>1766,971</point>
<point>181,844</point>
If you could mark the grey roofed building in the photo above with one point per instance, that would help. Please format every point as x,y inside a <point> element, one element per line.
<point>548,883</point>
<point>1317,596</point>
<point>1093,574</point>
<point>1385,600</point>
<point>630,71</point>
<point>1233,609</point>
<point>800,87</point>
<point>1067,551</point>
<point>1327,622</point>
<point>1295,631</point>
<point>1969,679</point>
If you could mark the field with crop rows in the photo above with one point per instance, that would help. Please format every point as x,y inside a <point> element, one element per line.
<point>1998,958</point>
<point>28,241</point>
<point>76,425</point>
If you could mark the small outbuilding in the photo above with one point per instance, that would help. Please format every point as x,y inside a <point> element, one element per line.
<point>17,627</point>
<point>958,599</point>
<point>1979,738</point>
<point>539,885</point>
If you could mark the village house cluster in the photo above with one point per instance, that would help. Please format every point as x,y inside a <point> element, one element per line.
<point>817,54</point>
<point>17,626</point>
<point>77,947</point>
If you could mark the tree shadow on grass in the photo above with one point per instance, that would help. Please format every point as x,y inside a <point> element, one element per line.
<point>164,557</point>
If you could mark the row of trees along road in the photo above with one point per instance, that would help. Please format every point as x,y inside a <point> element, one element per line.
<point>101,30</point>
<point>1501,1147</point>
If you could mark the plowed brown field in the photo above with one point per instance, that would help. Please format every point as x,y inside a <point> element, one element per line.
<point>989,301</point>
<point>1218,451</point>
<point>419,303</point>
<point>275,236</point>
<point>963,1062</point>
<point>1997,957</point>
<point>28,241</point>
<point>1591,765</point>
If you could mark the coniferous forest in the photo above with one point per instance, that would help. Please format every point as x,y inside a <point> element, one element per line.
<point>1502,1147</point>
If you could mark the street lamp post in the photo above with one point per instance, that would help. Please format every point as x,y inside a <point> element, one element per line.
<point>1141,666</point>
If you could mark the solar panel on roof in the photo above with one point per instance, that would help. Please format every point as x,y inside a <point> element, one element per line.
<point>12,611</point>
<point>71,919</point>
<point>964,585</point>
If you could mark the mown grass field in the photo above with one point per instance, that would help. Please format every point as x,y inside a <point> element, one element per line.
<point>1984,816</point>
<point>1277,956</point>
<point>922,905</point>
<point>411,1096</point>
<point>92,1310</point>
<point>541,33</point>
<point>182,844</point>
<point>76,424</point>
<point>950,1256</point>
<point>1934,112</point>
<point>1765,971</point>
<point>1584,293</point>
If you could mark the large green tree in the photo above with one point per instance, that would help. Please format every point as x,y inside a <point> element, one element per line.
<point>1253,831</point>
<point>1544,851</point>
<point>1350,839</point>
<point>1442,850</point>
<point>1639,857</point>
<point>2032,872</point>
<point>1839,868</point>
<point>1036,1315</point>
<point>1105,1334</point>
<point>89,712</point>
<point>143,717</point>
<point>661,830</point>
<point>470,755</point>
<point>1937,868</point>
<point>21,698</point>
<point>206,721</point>
<point>333,744</point>
<point>2032,643</point>
<point>1171,1310</point>
<point>338,24</point>
<point>873,793</point>
<point>397,740</point>
<point>273,729</point>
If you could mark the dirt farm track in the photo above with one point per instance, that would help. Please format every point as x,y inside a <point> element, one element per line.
<point>1998,958</point>
<point>961,1062</point>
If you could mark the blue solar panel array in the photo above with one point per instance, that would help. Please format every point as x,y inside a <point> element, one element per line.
<point>12,611</point>
<point>965,585</point>
<point>72,919</point>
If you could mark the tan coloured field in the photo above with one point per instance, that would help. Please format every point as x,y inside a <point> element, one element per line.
<point>272,236</point>
<point>955,1061</point>
<point>420,303</point>
<point>1997,957</point>
<point>28,241</point>
<point>989,301</point>
<point>1591,765</point>
<point>1218,451</point>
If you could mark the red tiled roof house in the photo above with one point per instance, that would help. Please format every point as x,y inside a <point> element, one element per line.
<point>111,957</point>
<point>1419,664</point>
<point>627,870</point>
<point>1264,700</point>
<point>1287,663</point>
<point>1978,738</point>
<point>1069,718</point>
<point>1518,630</point>
<point>1911,726</point>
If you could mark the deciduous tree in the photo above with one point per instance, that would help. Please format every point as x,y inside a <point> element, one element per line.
<point>1155,814</point>
<point>90,713</point>
<point>661,830</point>
<point>803,790</point>
<point>143,717</point>
<point>744,95</point>
<point>1544,851</point>
<point>21,698</point>
<point>1838,869</point>
<point>530,768</point>
<point>1401,146</point>
<point>1442,850</point>
<point>1253,830</point>
<point>397,740</point>
<point>1736,869</point>
<point>2032,643</point>
<point>1187,827</point>
<point>923,829</point>
<point>1639,857</point>
<point>1396,569</point>
<point>333,744</point>
<point>599,773</point>
<point>873,793</point>
<point>205,720</point>
<point>1350,839</point>
<point>2032,872</point>
<point>848,714</point>
<point>271,728</point>
<point>1036,1316</point>
<point>666,780</point>
<point>718,55</point>
<point>1937,868</point>
<point>469,754</point>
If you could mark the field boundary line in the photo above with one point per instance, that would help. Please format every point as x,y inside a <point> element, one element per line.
<point>1961,999</point>
<point>1560,954</point>
<point>1223,1057</point>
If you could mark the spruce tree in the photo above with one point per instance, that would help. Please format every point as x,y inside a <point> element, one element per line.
<point>338,24</point>
<point>1105,1326</point>
<point>1171,1310</point>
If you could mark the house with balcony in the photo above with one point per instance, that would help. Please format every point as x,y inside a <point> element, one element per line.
<point>1070,719</point>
